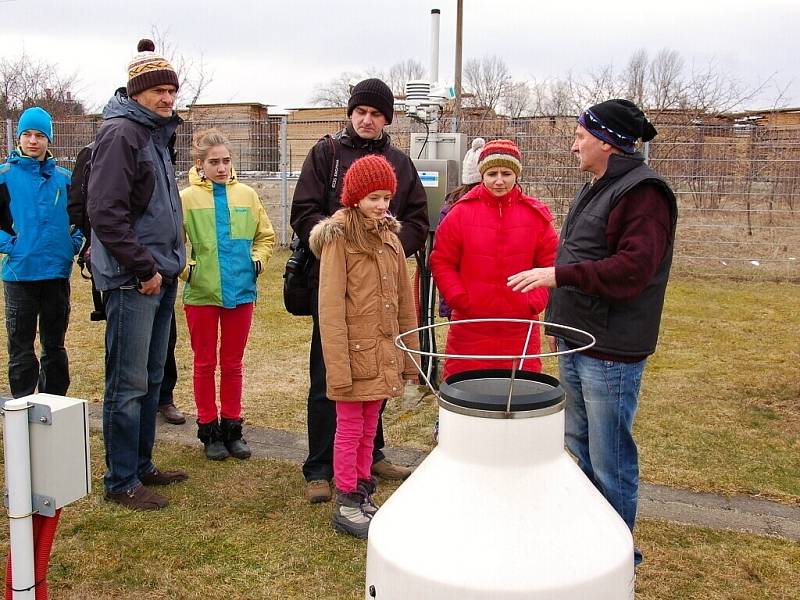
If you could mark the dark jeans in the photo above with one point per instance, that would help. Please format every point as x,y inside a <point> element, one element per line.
<point>170,367</point>
<point>137,334</point>
<point>45,302</point>
<point>322,412</point>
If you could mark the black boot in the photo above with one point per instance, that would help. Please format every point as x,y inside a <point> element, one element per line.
<point>211,436</point>
<point>367,487</point>
<point>232,437</point>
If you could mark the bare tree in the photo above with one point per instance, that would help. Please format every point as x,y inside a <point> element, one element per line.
<point>635,76</point>
<point>401,72</point>
<point>193,75</point>
<point>666,82</point>
<point>488,79</point>
<point>334,92</point>
<point>518,100</point>
<point>27,82</point>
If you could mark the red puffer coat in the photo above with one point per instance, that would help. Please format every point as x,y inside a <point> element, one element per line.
<point>483,241</point>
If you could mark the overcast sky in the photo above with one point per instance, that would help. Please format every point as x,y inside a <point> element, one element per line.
<point>275,52</point>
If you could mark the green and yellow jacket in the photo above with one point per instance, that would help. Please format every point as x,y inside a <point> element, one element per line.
<point>231,241</point>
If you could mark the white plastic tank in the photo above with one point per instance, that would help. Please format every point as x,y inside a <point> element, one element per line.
<point>499,510</point>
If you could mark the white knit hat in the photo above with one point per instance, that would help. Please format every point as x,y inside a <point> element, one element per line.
<point>469,168</point>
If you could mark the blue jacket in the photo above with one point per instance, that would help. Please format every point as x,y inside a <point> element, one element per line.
<point>35,234</point>
<point>133,202</point>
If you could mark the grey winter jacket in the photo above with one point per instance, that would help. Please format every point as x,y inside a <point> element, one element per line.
<point>133,202</point>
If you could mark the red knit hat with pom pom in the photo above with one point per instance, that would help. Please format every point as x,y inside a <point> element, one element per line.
<point>368,174</point>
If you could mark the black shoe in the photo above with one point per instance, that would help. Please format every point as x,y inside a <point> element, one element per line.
<point>232,438</point>
<point>211,436</point>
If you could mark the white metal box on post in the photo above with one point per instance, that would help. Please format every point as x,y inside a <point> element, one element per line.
<point>59,443</point>
<point>449,146</point>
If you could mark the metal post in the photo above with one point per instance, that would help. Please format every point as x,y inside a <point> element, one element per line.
<point>435,12</point>
<point>457,78</point>
<point>18,480</point>
<point>9,137</point>
<point>646,152</point>
<point>284,167</point>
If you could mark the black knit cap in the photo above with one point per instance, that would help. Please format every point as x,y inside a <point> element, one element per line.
<point>372,92</point>
<point>623,118</point>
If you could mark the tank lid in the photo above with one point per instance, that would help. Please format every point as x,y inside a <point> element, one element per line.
<point>488,389</point>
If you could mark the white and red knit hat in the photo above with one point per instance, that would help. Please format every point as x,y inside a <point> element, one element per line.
<point>500,153</point>
<point>368,174</point>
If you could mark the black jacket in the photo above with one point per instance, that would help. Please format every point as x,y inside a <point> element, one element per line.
<point>319,187</point>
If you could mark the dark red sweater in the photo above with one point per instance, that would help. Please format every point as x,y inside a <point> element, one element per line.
<point>637,233</point>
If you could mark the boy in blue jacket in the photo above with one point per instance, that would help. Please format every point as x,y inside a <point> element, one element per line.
<point>38,247</point>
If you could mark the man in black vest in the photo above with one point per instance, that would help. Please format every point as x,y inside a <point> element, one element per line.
<point>610,276</point>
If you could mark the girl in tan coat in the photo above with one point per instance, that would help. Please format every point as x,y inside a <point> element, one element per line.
<point>365,301</point>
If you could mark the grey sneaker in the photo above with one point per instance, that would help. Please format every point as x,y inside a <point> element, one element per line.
<point>348,517</point>
<point>367,487</point>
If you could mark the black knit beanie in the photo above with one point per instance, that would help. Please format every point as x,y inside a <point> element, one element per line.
<point>618,122</point>
<point>372,92</point>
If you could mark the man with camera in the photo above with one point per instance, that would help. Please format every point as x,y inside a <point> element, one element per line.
<point>316,197</point>
<point>137,252</point>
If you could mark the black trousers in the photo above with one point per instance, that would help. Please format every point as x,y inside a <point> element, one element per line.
<point>322,412</point>
<point>44,305</point>
<point>170,367</point>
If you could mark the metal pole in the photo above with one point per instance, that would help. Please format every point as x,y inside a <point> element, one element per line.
<point>18,480</point>
<point>435,16</point>
<point>284,167</point>
<point>457,78</point>
<point>9,137</point>
<point>646,152</point>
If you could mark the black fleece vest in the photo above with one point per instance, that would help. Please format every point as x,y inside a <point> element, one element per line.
<point>625,329</point>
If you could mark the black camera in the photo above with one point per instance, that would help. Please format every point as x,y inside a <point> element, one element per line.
<point>299,259</point>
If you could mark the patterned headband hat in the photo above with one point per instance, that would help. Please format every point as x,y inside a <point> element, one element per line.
<point>619,123</point>
<point>500,153</point>
<point>148,69</point>
<point>366,175</point>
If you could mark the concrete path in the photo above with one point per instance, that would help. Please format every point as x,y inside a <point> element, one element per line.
<point>739,513</point>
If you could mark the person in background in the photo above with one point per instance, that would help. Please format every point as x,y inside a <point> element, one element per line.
<point>470,177</point>
<point>232,239</point>
<point>39,247</point>
<point>137,255</point>
<point>491,233</point>
<point>610,277</point>
<point>365,302</point>
<point>316,197</point>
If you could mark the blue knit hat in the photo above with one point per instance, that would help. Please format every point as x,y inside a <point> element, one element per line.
<point>38,119</point>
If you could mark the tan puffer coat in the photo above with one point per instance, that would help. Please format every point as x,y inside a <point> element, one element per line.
<point>364,303</point>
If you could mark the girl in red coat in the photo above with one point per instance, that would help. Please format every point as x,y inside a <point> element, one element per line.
<point>494,231</point>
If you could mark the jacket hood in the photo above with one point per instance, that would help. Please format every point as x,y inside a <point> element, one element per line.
<point>195,179</point>
<point>349,137</point>
<point>120,105</point>
<point>333,227</point>
<point>22,160</point>
<point>481,193</point>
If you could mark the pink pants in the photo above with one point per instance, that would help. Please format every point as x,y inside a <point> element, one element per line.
<point>356,423</point>
<point>204,324</point>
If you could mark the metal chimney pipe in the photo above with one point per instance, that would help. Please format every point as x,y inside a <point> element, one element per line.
<point>435,14</point>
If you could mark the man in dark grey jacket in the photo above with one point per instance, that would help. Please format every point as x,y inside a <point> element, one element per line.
<point>137,253</point>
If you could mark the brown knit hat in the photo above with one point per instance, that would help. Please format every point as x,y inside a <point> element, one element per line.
<point>368,174</point>
<point>500,153</point>
<point>148,69</point>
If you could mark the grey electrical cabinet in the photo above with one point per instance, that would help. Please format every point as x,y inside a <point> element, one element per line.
<point>439,177</point>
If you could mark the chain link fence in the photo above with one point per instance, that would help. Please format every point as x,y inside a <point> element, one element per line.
<point>738,186</point>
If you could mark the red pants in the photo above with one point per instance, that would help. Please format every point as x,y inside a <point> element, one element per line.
<point>204,324</point>
<point>356,423</point>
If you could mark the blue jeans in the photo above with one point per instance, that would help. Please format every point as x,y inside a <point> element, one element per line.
<point>137,334</point>
<point>602,397</point>
<point>44,303</point>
